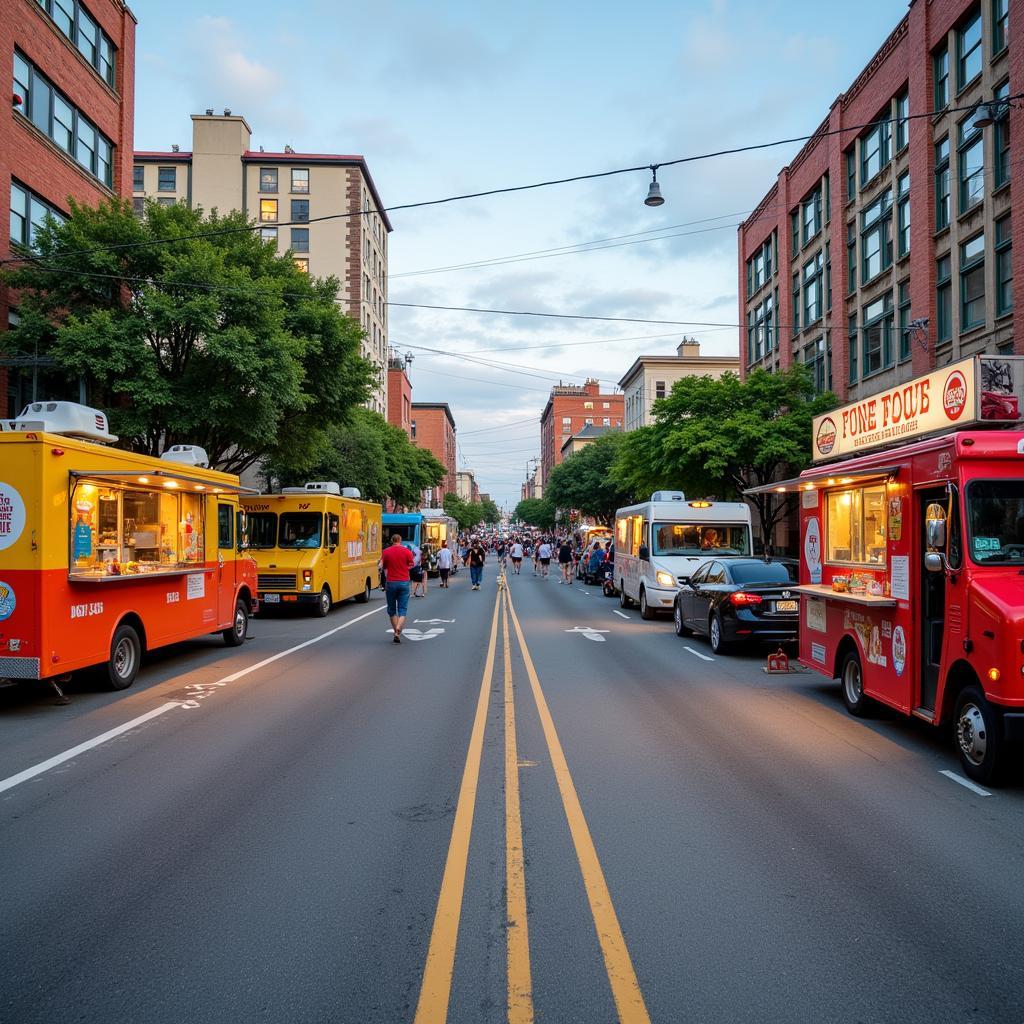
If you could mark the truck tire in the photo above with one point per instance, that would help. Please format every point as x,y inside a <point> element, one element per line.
<point>646,612</point>
<point>624,602</point>
<point>978,729</point>
<point>365,595</point>
<point>323,602</point>
<point>125,657</point>
<point>234,636</point>
<point>851,685</point>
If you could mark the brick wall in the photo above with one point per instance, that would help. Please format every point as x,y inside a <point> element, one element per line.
<point>573,407</point>
<point>434,431</point>
<point>400,400</point>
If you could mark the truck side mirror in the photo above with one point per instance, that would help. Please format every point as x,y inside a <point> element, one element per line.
<point>933,561</point>
<point>684,581</point>
<point>935,527</point>
<point>644,554</point>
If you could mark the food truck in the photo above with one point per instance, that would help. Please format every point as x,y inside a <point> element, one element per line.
<point>661,540</point>
<point>912,554</point>
<point>314,545</point>
<point>106,554</point>
<point>408,526</point>
<point>438,526</point>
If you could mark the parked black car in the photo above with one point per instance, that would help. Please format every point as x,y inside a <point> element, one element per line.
<point>733,599</point>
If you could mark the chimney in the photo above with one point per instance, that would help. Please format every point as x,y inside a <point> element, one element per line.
<point>688,348</point>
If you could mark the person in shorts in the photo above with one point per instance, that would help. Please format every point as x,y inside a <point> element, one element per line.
<point>516,554</point>
<point>444,564</point>
<point>544,557</point>
<point>565,560</point>
<point>397,561</point>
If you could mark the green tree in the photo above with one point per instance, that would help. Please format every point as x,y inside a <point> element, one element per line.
<point>585,481</point>
<point>536,512</point>
<point>489,512</point>
<point>213,340</point>
<point>718,437</point>
<point>466,513</point>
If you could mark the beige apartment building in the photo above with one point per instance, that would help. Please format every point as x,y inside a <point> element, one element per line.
<point>652,377</point>
<point>287,193</point>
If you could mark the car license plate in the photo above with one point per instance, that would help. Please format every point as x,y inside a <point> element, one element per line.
<point>785,606</point>
<point>276,598</point>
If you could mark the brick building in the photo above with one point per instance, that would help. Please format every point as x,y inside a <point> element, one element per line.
<point>433,428</point>
<point>570,408</point>
<point>399,393</point>
<point>884,251</point>
<point>287,193</point>
<point>69,133</point>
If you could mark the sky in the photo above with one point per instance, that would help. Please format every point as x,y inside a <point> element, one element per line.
<point>454,97</point>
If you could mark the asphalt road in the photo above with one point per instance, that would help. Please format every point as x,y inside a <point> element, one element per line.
<point>352,830</point>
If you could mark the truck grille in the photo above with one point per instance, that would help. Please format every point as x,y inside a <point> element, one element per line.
<point>276,581</point>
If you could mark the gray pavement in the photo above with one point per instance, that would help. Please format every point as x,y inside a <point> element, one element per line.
<point>272,849</point>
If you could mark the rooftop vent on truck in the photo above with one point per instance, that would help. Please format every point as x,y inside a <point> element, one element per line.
<point>187,455</point>
<point>314,487</point>
<point>68,418</point>
<point>668,496</point>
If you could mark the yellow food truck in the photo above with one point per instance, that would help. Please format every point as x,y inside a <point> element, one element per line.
<point>314,545</point>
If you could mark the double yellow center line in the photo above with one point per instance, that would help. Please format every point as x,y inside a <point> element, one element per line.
<point>440,964</point>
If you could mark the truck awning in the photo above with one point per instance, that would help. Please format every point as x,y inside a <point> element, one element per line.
<point>824,478</point>
<point>170,480</point>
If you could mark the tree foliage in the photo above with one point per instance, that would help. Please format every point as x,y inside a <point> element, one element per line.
<point>585,481</point>
<point>536,512</point>
<point>715,438</point>
<point>490,512</point>
<point>466,513</point>
<point>213,340</point>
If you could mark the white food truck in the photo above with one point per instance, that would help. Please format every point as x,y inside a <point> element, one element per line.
<point>658,541</point>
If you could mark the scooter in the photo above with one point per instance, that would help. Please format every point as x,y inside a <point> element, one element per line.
<point>608,578</point>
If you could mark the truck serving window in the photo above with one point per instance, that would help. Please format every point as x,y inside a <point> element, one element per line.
<point>407,531</point>
<point>300,530</point>
<point>262,530</point>
<point>995,514</point>
<point>690,539</point>
<point>856,526</point>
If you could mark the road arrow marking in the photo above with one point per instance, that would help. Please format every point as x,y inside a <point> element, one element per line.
<point>433,622</point>
<point>415,634</point>
<point>590,633</point>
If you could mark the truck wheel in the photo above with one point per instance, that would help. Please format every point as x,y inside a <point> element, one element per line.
<point>235,635</point>
<point>323,602</point>
<point>624,602</point>
<point>979,736</point>
<point>851,682</point>
<point>646,612</point>
<point>125,656</point>
<point>365,595</point>
<point>718,645</point>
<point>677,620</point>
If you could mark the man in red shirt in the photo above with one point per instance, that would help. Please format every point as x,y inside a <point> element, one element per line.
<point>396,561</point>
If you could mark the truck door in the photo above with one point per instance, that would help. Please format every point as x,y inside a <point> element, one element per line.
<point>933,604</point>
<point>227,562</point>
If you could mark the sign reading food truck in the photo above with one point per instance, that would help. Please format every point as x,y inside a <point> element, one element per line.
<point>952,397</point>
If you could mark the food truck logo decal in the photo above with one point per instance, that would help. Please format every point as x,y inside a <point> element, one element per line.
<point>12,515</point>
<point>825,438</point>
<point>954,395</point>
<point>84,611</point>
<point>7,600</point>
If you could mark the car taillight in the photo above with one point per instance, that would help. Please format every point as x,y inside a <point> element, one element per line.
<point>742,599</point>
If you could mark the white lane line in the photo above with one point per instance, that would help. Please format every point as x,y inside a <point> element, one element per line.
<point>966,783</point>
<point>585,593</point>
<point>704,657</point>
<point>67,755</point>
<point>622,615</point>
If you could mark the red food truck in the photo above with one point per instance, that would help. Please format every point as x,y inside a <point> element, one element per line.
<point>912,554</point>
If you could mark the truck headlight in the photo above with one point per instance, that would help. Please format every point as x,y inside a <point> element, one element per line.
<point>665,579</point>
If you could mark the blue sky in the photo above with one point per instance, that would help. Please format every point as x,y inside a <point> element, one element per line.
<point>449,98</point>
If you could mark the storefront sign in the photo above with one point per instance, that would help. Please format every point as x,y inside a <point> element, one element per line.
<point>986,388</point>
<point>899,577</point>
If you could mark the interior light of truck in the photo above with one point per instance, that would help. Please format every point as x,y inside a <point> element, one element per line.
<point>170,483</point>
<point>143,479</point>
<point>993,674</point>
<point>200,487</point>
<point>742,599</point>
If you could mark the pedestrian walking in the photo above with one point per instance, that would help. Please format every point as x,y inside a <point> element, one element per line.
<point>517,556</point>
<point>477,557</point>
<point>397,562</point>
<point>419,587</point>
<point>544,557</point>
<point>565,561</point>
<point>444,564</point>
<point>416,572</point>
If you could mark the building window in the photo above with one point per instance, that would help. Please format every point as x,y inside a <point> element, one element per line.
<point>412,429</point>
<point>903,214</point>
<point>268,235</point>
<point>138,178</point>
<point>588,405</point>
<point>851,348</point>
<point>268,210</point>
<point>968,52</point>
<point>759,267</point>
<point>1004,267</point>
<point>851,257</point>
<point>268,179</point>
<point>1002,138</point>
<point>811,215</point>
<point>812,290</point>
<point>300,210</point>
<point>91,41</point>
<point>300,179</point>
<point>904,320</point>
<point>301,264</point>
<point>300,240</point>
<point>28,215</point>
<point>606,422</point>
<point>794,224</point>
<point>814,358</point>
<point>940,68</point>
<point>166,200</point>
<point>1000,24</point>
<point>139,207</point>
<point>972,282</point>
<point>877,333</point>
<point>942,184</point>
<point>876,238</point>
<point>796,303</point>
<point>971,164</point>
<point>851,175</point>
<point>943,299</point>
<point>61,121</point>
<point>902,120</point>
<point>874,151</point>
<point>167,179</point>
<point>659,389</point>
<point>588,422</point>
<point>828,283</point>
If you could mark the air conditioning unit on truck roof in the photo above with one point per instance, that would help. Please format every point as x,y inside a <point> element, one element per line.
<point>316,487</point>
<point>187,455</point>
<point>668,496</point>
<point>68,418</point>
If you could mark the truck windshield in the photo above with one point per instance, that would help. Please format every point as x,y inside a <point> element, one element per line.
<point>689,539</point>
<point>300,530</point>
<point>262,529</point>
<point>407,531</point>
<point>995,513</point>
